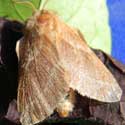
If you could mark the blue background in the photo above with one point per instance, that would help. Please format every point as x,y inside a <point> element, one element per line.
<point>117,23</point>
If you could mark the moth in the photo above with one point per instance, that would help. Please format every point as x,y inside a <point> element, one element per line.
<point>55,61</point>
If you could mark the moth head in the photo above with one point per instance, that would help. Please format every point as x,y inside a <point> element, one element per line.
<point>39,19</point>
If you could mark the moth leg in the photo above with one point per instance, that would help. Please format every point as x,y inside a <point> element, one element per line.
<point>65,107</point>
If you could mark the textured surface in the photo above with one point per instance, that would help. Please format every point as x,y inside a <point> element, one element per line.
<point>42,81</point>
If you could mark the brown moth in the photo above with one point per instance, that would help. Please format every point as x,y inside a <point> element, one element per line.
<point>53,60</point>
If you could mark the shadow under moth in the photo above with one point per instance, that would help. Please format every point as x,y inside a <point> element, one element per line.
<point>55,61</point>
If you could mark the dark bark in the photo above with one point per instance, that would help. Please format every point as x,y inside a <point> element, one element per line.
<point>10,32</point>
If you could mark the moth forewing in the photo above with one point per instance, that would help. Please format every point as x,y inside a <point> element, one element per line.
<point>88,74</point>
<point>42,79</point>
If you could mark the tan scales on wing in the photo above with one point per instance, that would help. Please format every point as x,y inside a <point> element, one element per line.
<point>54,58</point>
